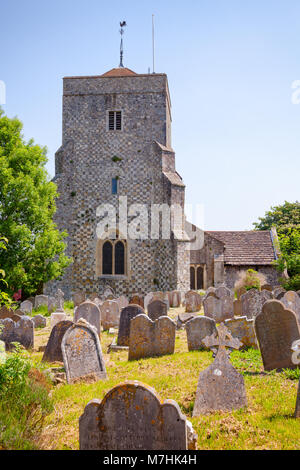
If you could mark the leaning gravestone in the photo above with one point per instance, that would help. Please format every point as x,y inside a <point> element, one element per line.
<point>292,301</point>
<point>243,329</point>
<point>193,302</point>
<point>82,354</point>
<point>127,314</point>
<point>276,329</point>
<point>90,312</point>
<point>156,309</point>
<point>252,303</point>
<point>110,314</point>
<point>151,338</point>
<point>296,361</point>
<point>53,352</point>
<point>21,332</point>
<point>26,306</point>
<point>197,329</point>
<point>40,300</point>
<point>131,416</point>
<point>220,386</point>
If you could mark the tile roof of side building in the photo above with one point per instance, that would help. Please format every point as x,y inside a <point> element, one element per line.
<point>247,247</point>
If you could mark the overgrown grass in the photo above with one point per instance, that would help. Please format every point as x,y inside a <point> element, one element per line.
<point>267,422</point>
<point>24,402</point>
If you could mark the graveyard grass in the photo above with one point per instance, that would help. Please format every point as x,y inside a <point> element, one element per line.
<point>267,423</point>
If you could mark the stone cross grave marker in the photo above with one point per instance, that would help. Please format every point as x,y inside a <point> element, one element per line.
<point>82,354</point>
<point>132,416</point>
<point>220,386</point>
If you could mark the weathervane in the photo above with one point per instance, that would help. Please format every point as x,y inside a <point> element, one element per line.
<point>122,24</point>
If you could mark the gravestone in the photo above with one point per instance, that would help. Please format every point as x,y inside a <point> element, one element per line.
<point>127,314</point>
<point>183,318</point>
<point>26,307</point>
<point>240,291</point>
<point>40,300</point>
<point>108,293</point>
<point>193,302</point>
<point>218,308</point>
<point>220,386</point>
<point>175,298</point>
<point>276,329</point>
<point>39,321</point>
<point>267,287</point>
<point>110,314</point>
<point>93,296</point>
<point>132,416</point>
<point>296,361</point>
<point>90,312</point>
<point>78,298</point>
<point>292,301</point>
<point>266,295</point>
<point>21,332</point>
<point>52,304</point>
<point>197,329</point>
<point>151,338</point>
<point>147,299</point>
<point>82,354</point>
<point>56,317</point>
<point>137,299</point>
<point>53,352</point>
<point>243,329</point>
<point>157,309</point>
<point>10,313</point>
<point>223,291</point>
<point>122,302</point>
<point>252,303</point>
<point>237,308</point>
<point>279,293</point>
<point>59,297</point>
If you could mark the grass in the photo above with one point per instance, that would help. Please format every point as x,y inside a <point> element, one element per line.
<point>267,422</point>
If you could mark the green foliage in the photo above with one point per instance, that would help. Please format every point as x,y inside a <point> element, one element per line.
<point>24,402</point>
<point>286,219</point>
<point>249,279</point>
<point>35,248</point>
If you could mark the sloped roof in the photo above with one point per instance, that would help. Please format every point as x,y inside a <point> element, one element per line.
<point>174,178</point>
<point>119,72</point>
<point>249,247</point>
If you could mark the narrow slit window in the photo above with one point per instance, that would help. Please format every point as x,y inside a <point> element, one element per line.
<point>114,186</point>
<point>115,120</point>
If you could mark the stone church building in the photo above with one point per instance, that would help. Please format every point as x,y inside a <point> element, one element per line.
<point>116,153</point>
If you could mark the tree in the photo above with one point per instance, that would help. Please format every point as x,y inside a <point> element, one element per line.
<point>286,219</point>
<point>35,249</point>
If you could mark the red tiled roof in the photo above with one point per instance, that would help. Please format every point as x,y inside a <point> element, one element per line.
<point>119,72</point>
<point>249,247</point>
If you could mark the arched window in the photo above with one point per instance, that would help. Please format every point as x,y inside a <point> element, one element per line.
<point>111,257</point>
<point>119,258</point>
<point>107,258</point>
<point>192,277</point>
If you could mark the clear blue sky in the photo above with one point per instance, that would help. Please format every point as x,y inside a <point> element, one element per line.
<point>230,66</point>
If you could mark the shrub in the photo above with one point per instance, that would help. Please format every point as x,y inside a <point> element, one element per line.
<point>24,402</point>
<point>249,279</point>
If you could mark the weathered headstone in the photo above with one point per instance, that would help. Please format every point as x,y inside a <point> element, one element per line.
<point>137,299</point>
<point>237,307</point>
<point>21,332</point>
<point>10,313</point>
<point>197,329</point>
<point>184,317</point>
<point>151,338</point>
<point>132,416</point>
<point>223,291</point>
<point>56,317</point>
<point>78,298</point>
<point>90,312</point>
<point>266,295</point>
<point>127,314</point>
<point>26,306</point>
<point>52,304</point>
<point>220,386</point>
<point>59,296</point>
<point>267,287</point>
<point>40,300</point>
<point>39,321</point>
<point>53,352</point>
<point>156,309</point>
<point>279,293</point>
<point>252,303</point>
<point>276,329</point>
<point>175,298</point>
<point>122,302</point>
<point>240,291</point>
<point>292,301</point>
<point>218,308</point>
<point>147,299</point>
<point>82,354</point>
<point>243,329</point>
<point>193,302</point>
<point>110,314</point>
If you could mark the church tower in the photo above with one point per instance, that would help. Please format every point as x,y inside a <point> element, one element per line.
<point>116,149</point>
